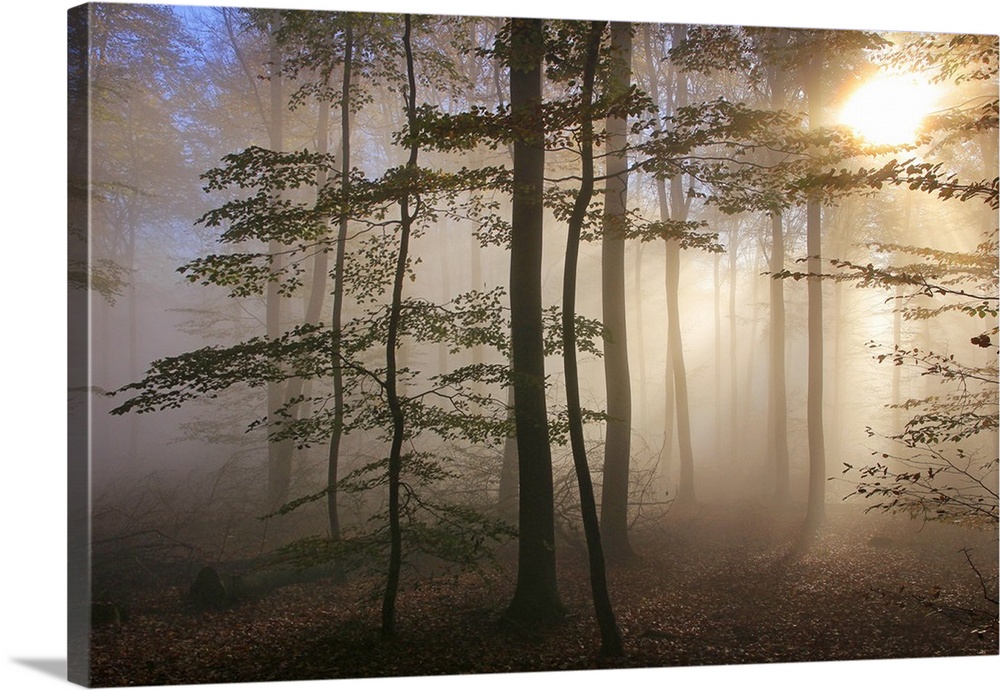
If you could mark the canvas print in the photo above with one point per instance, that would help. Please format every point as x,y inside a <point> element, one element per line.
<point>416,345</point>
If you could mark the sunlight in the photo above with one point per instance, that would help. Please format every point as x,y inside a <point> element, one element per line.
<point>888,108</point>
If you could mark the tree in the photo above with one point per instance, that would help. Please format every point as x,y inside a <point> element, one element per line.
<point>269,204</point>
<point>535,597</point>
<point>674,210</point>
<point>777,388</point>
<point>941,464</point>
<point>310,32</point>
<point>615,490</point>
<point>611,640</point>
<point>801,176</point>
<point>279,452</point>
<point>816,506</point>
<point>395,468</point>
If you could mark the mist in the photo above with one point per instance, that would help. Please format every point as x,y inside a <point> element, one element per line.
<point>307,382</point>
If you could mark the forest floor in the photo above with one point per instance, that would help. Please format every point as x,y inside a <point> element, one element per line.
<point>720,585</point>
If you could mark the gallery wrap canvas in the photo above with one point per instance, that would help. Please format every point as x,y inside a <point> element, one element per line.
<point>430,345</point>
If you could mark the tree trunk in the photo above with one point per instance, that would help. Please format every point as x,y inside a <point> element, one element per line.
<point>279,453</point>
<point>679,207</point>
<point>777,390</point>
<point>816,510</point>
<point>508,494</point>
<point>734,394</point>
<point>666,459</point>
<point>777,384</point>
<point>536,598</point>
<point>614,494</point>
<point>640,414</point>
<point>685,487</point>
<point>317,288</point>
<point>388,630</point>
<point>611,639</point>
<point>336,318</point>
<point>717,309</point>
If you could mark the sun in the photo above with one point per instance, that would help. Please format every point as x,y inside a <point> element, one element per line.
<point>888,108</point>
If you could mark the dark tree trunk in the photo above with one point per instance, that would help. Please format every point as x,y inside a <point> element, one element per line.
<point>507,498</point>
<point>336,318</point>
<point>611,639</point>
<point>536,597</point>
<point>392,395</point>
<point>614,494</point>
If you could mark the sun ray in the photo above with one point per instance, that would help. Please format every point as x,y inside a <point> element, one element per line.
<point>889,108</point>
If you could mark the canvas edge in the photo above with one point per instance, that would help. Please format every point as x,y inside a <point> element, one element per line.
<point>78,346</point>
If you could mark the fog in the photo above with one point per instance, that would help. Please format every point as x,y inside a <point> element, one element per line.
<point>193,464</point>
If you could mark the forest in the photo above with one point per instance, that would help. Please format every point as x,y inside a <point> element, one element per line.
<point>421,345</point>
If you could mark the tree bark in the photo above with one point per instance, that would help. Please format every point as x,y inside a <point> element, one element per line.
<point>685,486</point>
<point>669,411</point>
<point>507,498</point>
<point>336,317</point>
<point>614,494</point>
<point>536,598</point>
<point>279,453</point>
<point>640,413</point>
<point>777,383</point>
<point>777,389</point>
<point>734,394</point>
<point>388,630</point>
<point>611,639</point>
<point>679,207</point>
<point>816,509</point>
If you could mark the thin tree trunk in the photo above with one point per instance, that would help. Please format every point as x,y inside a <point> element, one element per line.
<point>317,288</point>
<point>279,453</point>
<point>685,486</point>
<point>614,494</point>
<point>816,510</point>
<point>734,393</point>
<point>669,410</point>
<point>717,309</point>
<point>679,207</point>
<point>392,395</point>
<point>751,347</point>
<point>536,597</point>
<point>336,317</point>
<point>611,639</point>
<point>777,388</point>
<point>754,325</point>
<point>777,384</point>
